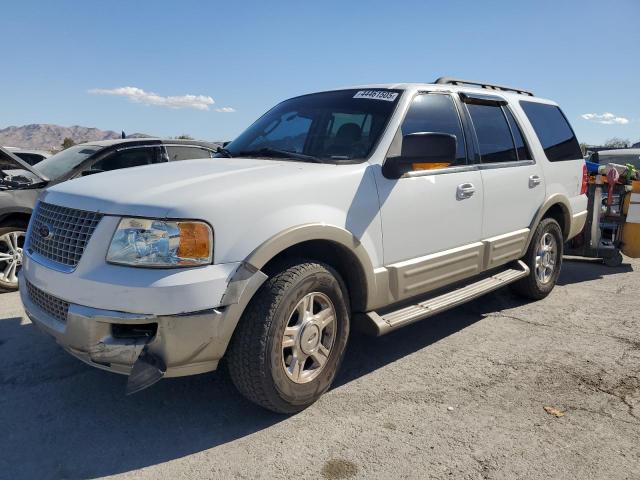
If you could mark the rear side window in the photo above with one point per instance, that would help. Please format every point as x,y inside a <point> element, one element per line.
<point>494,135</point>
<point>436,113</point>
<point>554,132</point>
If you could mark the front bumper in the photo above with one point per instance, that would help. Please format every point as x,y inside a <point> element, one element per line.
<point>189,343</point>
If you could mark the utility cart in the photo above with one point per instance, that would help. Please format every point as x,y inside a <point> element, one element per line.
<point>602,233</point>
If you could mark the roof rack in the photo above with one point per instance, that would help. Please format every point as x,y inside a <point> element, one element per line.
<point>488,86</point>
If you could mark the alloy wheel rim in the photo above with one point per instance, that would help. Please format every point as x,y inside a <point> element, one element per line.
<point>546,258</point>
<point>11,256</point>
<point>308,337</point>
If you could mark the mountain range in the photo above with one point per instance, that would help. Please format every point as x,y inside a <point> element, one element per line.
<point>44,136</point>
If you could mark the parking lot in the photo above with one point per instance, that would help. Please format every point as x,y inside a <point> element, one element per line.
<point>459,396</point>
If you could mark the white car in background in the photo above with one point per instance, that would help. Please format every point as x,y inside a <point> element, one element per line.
<point>374,206</point>
<point>620,156</point>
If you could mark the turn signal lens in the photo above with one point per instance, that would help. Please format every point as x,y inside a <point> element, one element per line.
<point>159,243</point>
<point>195,240</point>
<point>429,165</point>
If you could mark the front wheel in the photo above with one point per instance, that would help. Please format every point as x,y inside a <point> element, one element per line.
<point>291,339</point>
<point>11,243</point>
<point>544,259</point>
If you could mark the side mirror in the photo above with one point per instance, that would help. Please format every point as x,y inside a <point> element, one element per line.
<point>420,149</point>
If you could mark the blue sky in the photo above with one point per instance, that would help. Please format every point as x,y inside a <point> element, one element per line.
<point>249,55</point>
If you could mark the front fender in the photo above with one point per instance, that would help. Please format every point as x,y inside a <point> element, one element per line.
<point>316,232</point>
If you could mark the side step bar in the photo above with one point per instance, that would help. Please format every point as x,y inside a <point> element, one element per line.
<point>388,322</point>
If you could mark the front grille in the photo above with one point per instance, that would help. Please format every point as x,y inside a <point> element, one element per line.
<point>69,231</point>
<point>52,305</point>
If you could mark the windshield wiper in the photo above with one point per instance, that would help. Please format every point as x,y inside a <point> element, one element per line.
<point>274,152</point>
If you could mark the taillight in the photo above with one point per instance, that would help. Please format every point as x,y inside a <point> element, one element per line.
<point>585,180</point>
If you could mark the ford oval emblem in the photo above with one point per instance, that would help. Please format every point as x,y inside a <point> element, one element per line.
<point>44,231</point>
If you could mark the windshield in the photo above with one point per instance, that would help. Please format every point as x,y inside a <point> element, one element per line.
<point>329,126</point>
<point>65,161</point>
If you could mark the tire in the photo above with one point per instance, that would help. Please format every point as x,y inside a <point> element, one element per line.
<point>11,243</point>
<point>537,285</point>
<point>287,379</point>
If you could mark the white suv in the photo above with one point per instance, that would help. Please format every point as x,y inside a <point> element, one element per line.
<point>375,206</point>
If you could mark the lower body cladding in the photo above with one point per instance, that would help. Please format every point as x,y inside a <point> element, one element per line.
<point>146,347</point>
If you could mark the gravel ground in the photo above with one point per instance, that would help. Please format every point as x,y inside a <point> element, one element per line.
<point>460,396</point>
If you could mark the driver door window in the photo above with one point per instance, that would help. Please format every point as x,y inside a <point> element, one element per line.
<point>436,113</point>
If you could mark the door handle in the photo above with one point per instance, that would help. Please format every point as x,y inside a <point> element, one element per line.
<point>534,181</point>
<point>465,190</point>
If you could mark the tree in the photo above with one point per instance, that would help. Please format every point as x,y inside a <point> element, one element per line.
<point>584,147</point>
<point>184,136</point>
<point>67,142</point>
<point>617,142</point>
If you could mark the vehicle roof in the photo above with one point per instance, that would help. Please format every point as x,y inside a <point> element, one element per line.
<point>151,140</point>
<point>416,87</point>
<point>620,152</point>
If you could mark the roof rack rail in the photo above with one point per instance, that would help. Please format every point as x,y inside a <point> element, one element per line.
<point>488,86</point>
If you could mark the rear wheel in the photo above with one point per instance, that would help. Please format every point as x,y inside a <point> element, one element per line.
<point>11,243</point>
<point>291,339</point>
<point>544,259</point>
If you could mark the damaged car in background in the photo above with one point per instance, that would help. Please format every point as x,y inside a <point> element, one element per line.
<point>21,183</point>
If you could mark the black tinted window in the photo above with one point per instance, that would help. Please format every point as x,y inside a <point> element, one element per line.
<point>521,146</point>
<point>127,158</point>
<point>553,130</point>
<point>187,153</point>
<point>30,158</point>
<point>494,136</point>
<point>436,113</point>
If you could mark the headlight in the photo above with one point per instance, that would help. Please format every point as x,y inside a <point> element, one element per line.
<point>159,243</point>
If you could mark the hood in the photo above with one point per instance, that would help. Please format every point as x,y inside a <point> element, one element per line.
<point>169,189</point>
<point>9,161</point>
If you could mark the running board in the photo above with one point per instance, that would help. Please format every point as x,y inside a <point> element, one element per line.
<point>393,320</point>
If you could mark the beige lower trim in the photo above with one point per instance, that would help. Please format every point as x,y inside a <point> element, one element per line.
<point>578,222</point>
<point>318,231</point>
<point>554,199</point>
<point>424,274</point>
<point>505,248</point>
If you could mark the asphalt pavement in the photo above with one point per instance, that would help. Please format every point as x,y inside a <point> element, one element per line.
<point>459,396</point>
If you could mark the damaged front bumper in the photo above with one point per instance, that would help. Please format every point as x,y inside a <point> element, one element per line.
<point>186,344</point>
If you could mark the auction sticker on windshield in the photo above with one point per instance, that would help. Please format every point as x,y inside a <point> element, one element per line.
<point>377,95</point>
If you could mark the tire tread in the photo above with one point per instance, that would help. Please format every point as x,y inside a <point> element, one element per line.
<point>247,372</point>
